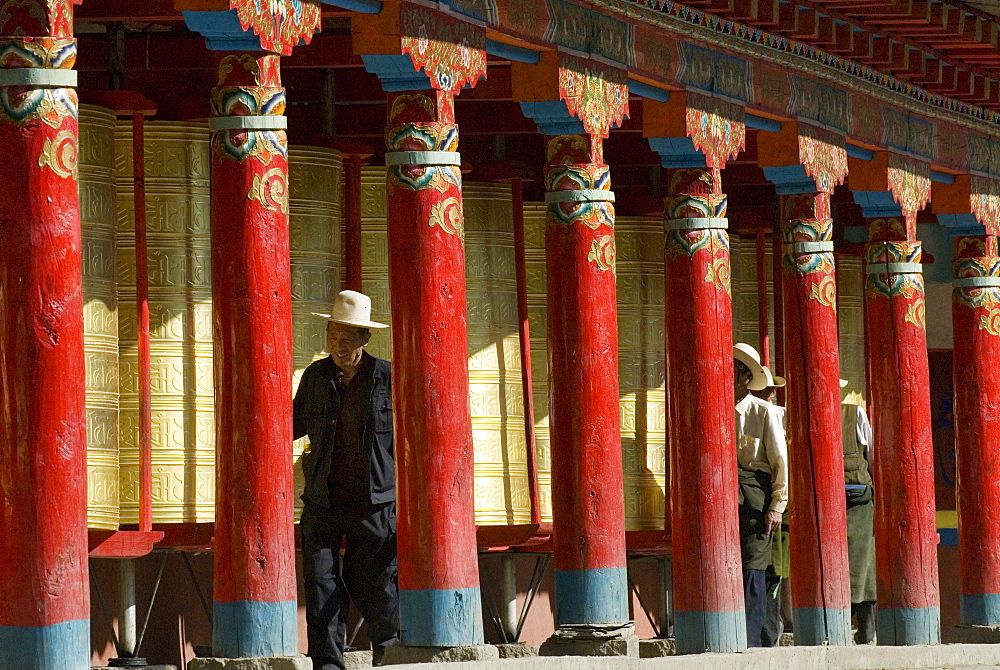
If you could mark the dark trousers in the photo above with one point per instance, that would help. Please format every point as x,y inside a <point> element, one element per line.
<point>369,577</point>
<point>773,625</point>
<point>865,613</point>
<point>755,603</point>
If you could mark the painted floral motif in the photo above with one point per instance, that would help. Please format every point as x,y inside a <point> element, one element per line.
<point>451,52</point>
<point>53,18</point>
<point>423,137</point>
<point>888,228</point>
<point>695,194</point>
<point>602,253</point>
<point>825,292</point>
<point>910,184</point>
<point>823,155</point>
<point>271,190</point>
<point>979,266</point>
<point>447,215</point>
<point>716,128</point>
<point>915,313</point>
<point>718,274</point>
<point>984,199</point>
<point>59,154</point>
<point>589,176</point>
<point>806,218</point>
<point>908,285</point>
<point>249,87</point>
<point>594,93</point>
<point>990,322</point>
<point>279,24</point>
<point>23,104</point>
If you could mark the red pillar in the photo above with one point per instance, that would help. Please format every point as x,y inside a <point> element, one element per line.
<point>44,597</point>
<point>255,591</point>
<point>905,524</point>
<point>438,570</point>
<point>591,585</point>
<point>820,577</point>
<point>976,320</point>
<point>701,435</point>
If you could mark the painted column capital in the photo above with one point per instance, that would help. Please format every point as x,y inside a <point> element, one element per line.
<point>252,25</point>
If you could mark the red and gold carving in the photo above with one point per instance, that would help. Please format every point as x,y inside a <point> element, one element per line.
<point>984,201</point>
<point>823,155</point>
<point>249,86</point>
<point>716,128</point>
<point>594,93</point>
<point>451,52</point>
<point>279,24</point>
<point>910,183</point>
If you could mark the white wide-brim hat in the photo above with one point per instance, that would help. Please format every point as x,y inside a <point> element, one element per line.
<point>843,383</point>
<point>352,309</point>
<point>747,355</point>
<point>773,381</point>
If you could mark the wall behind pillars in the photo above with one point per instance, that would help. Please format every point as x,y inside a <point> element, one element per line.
<point>937,285</point>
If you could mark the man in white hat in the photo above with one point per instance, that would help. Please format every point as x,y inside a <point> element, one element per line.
<point>344,405</point>
<point>763,475</point>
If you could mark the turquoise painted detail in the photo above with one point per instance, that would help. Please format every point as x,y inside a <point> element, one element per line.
<point>698,632</point>
<point>249,629</point>
<point>440,617</point>
<point>59,646</point>
<point>599,595</point>
<point>822,625</point>
<point>981,610</point>
<point>906,626</point>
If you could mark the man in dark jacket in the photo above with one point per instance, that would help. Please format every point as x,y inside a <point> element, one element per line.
<point>344,405</point>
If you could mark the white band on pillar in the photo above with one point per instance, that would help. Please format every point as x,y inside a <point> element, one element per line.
<point>696,223</point>
<point>807,247</point>
<point>38,77</point>
<point>265,122</point>
<point>975,282</point>
<point>581,195</point>
<point>893,268</point>
<point>423,158</point>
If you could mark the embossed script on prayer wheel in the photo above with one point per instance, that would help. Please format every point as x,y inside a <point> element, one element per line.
<point>641,368</point>
<point>851,323</point>
<point>501,470</point>
<point>100,315</point>
<point>315,178</point>
<point>180,307</point>
<point>495,390</point>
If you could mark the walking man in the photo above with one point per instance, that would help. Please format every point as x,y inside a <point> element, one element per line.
<point>344,405</point>
<point>763,475</point>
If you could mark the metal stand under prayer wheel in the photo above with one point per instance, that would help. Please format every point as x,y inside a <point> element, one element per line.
<point>976,320</point>
<point>255,613</point>
<point>820,578</point>
<point>45,617</point>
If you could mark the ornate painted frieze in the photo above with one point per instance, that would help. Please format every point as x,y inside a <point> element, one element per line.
<point>910,184</point>
<point>908,133</point>
<point>596,94</point>
<point>280,24</point>
<point>826,105</point>
<point>451,52</point>
<point>823,154</point>
<point>984,200</point>
<point>714,72</point>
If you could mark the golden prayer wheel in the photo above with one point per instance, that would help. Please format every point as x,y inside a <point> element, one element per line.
<point>316,180</point>
<point>743,263</point>
<point>496,397</point>
<point>100,316</point>
<point>851,324</point>
<point>180,306</point>
<point>641,347</point>
<point>641,368</point>
<point>495,387</point>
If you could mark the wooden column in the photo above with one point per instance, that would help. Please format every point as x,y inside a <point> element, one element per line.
<point>820,575</point>
<point>44,596</point>
<point>439,599</point>
<point>976,320</point>
<point>255,612</point>
<point>701,431</point>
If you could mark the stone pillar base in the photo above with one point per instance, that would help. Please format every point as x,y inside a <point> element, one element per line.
<point>974,634</point>
<point>517,650</point>
<point>592,640</point>
<point>357,660</point>
<point>400,654</point>
<point>657,647</point>
<point>263,663</point>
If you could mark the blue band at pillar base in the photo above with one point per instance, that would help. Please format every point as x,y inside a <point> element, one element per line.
<point>60,646</point>
<point>981,610</point>
<point>906,626</point>
<point>822,625</point>
<point>249,629</point>
<point>440,617</point>
<point>698,632</point>
<point>591,596</point>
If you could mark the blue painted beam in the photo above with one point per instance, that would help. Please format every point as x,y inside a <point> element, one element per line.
<point>960,225</point>
<point>222,31</point>
<point>942,177</point>
<point>876,204</point>
<point>761,123</point>
<point>552,117</point>
<point>790,179</point>
<point>860,153</point>
<point>644,90</point>
<point>397,73</point>
<point>677,152</point>
<point>511,52</point>
<point>361,6</point>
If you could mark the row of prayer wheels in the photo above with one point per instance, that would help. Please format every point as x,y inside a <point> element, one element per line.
<point>178,224</point>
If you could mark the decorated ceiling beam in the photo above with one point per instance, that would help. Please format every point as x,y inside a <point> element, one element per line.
<point>969,205</point>
<point>803,158</point>
<point>252,25</point>
<point>694,130</point>
<point>892,187</point>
